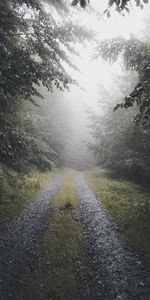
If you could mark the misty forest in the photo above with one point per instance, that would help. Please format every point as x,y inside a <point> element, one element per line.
<point>74,150</point>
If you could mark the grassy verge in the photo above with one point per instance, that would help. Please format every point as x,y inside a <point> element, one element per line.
<point>129,205</point>
<point>59,250</point>
<point>18,190</point>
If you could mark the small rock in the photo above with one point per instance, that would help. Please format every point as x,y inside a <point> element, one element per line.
<point>141,283</point>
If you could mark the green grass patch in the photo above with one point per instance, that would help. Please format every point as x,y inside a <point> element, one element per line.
<point>17,190</point>
<point>60,248</point>
<point>129,203</point>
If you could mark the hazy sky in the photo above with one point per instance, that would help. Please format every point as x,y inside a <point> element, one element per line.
<point>97,72</point>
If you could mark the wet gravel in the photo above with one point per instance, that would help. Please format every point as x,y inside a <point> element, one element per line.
<point>115,271</point>
<point>18,243</point>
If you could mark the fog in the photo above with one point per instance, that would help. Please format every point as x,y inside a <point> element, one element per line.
<point>94,75</point>
<point>84,63</point>
<point>74,149</point>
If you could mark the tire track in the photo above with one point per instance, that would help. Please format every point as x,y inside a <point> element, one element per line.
<point>18,243</point>
<point>115,270</point>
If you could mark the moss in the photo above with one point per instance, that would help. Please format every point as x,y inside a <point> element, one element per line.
<point>129,205</point>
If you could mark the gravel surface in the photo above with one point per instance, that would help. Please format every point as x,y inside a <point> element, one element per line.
<point>18,242</point>
<point>115,270</point>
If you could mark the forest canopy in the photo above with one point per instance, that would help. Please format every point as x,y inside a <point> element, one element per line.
<point>136,56</point>
<point>38,40</point>
<point>120,6</point>
<point>33,49</point>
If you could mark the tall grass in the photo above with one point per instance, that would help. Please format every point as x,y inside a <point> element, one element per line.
<point>17,190</point>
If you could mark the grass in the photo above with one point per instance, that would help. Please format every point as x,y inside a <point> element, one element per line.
<point>17,191</point>
<point>129,205</point>
<point>59,250</point>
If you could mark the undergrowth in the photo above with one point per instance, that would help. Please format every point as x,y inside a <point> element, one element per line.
<point>17,190</point>
<point>129,204</point>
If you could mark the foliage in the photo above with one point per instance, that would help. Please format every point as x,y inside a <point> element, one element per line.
<point>136,55</point>
<point>120,5</point>
<point>120,145</point>
<point>47,127</point>
<point>27,54</point>
<point>33,50</point>
<point>13,139</point>
<point>17,190</point>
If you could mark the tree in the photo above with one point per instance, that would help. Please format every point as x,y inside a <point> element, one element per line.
<point>33,49</point>
<point>120,5</point>
<point>136,56</point>
<point>47,126</point>
<point>119,145</point>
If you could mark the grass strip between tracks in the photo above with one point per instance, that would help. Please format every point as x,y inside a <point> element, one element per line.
<point>60,250</point>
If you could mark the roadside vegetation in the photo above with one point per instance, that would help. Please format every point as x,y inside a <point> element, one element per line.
<point>129,204</point>
<point>18,189</point>
<point>60,251</point>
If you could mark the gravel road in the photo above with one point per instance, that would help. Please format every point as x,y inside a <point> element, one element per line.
<point>18,242</point>
<point>115,270</point>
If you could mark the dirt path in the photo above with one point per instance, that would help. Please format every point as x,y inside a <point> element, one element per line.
<point>115,271</point>
<point>111,270</point>
<point>18,243</point>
